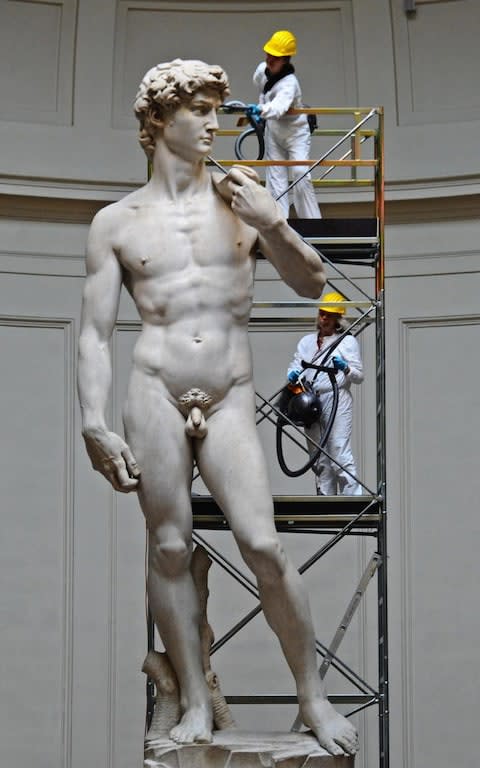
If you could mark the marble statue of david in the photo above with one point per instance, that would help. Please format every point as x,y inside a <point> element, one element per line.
<point>184,246</point>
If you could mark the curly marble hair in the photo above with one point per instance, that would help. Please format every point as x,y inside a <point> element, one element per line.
<point>169,85</point>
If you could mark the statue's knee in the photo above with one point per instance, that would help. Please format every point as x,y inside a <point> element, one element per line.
<point>265,557</point>
<point>169,557</point>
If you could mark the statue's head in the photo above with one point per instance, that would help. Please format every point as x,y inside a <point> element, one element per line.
<point>169,86</point>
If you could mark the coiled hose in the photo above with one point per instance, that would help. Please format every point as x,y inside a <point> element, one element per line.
<point>257,127</point>
<point>283,420</point>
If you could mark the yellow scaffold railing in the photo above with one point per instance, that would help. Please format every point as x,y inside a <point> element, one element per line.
<point>363,134</point>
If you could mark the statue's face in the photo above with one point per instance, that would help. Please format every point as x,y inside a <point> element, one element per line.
<point>190,130</point>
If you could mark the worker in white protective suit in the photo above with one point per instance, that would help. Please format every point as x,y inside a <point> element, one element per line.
<point>335,475</point>
<point>287,137</point>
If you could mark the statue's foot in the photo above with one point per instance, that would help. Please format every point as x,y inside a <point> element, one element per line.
<point>195,726</point>
<point>333,731</point>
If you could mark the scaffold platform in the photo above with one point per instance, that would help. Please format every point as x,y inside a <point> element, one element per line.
<point>296,513</point>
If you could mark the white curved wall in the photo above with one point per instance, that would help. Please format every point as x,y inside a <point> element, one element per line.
<point>72,69</point>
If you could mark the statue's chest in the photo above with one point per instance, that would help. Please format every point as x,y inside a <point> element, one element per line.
<point>180,236</point>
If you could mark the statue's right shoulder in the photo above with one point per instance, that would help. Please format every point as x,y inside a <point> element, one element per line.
<point>106,230</point>
<point>114,213</point>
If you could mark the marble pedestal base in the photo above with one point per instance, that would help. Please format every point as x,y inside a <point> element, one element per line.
<point>244,749</point>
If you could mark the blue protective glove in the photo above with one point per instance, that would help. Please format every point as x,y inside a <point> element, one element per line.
<point>293,376</point>
<point>339,363</point>
<point>254,111</point>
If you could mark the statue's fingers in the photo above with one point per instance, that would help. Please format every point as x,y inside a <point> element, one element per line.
<point>222,187</point>
<point>131,462</point>
<point>110,475</point>
<point>247,171</point>
<point>123,481</point>
<point>238,176</point>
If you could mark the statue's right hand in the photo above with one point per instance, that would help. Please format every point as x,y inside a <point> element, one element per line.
<point>111,456</point>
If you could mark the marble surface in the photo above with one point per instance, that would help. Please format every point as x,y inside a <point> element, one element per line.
<point>234,748</point>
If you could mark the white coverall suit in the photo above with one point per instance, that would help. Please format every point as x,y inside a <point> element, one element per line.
<point>287,137</point>
<point>329,475</point>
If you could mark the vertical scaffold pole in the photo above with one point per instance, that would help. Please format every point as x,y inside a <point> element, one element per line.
<point>384,751</point>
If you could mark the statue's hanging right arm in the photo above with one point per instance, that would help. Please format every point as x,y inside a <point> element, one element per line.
<point>108,452</point>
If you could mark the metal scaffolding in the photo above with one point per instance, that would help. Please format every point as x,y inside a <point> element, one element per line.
<point>356,160</point>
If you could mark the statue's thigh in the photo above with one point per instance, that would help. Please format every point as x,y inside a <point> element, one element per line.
<point>155,431</point>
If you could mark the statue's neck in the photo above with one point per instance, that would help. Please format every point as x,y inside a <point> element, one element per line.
<point>177,176</point>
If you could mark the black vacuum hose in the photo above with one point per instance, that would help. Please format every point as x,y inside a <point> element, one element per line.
<point>282,421</point>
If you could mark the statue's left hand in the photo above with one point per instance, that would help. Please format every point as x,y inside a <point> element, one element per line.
<point>251,202</point>
<point>223,183</point>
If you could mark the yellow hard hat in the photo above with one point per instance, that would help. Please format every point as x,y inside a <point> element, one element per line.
<point>332,298</point>
<point>281,43</point>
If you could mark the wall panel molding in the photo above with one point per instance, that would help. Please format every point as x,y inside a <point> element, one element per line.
<point>425,648</point>
<point>37,38</point>
<point>436,61</point>
<point>408,211</point>
<point>324,29</point>
<point>72,68</point>
<point>60,516</point>
<point>53,265</point>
